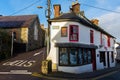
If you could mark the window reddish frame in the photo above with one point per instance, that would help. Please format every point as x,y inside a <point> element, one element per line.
<point>73,33</point>
<point>101,38</point>
<point>64,32</point>
<point>108,41</point>
<point>91,36</point>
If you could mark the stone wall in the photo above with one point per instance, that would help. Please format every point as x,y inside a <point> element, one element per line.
<point>32,43</point>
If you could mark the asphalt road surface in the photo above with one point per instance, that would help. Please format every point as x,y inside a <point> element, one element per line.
<point>22,66</point>
<point>114,76</point>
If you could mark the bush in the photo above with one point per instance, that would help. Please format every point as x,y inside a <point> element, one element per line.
<point>5,45</point>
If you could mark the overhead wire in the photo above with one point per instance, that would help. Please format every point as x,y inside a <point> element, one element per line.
<point>97,7</point>
<point>100,8</point>
<point>24,8</point>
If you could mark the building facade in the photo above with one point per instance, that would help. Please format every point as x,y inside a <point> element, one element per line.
<point>26,30</point>
<point>78,45</point>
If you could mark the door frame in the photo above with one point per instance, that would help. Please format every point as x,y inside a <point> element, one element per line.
<point>93,59</point>
<point>108,60</point>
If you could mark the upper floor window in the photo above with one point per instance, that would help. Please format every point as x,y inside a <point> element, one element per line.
<point>91,36</point>
<point>64,32</point>
<point>108,41</point>
<point>101,41</point>
<point>73,33</point>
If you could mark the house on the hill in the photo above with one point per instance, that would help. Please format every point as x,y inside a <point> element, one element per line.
<point>77,44</point>
<point>28,35</point>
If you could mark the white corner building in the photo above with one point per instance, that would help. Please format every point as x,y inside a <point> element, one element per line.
<point>79,45</point>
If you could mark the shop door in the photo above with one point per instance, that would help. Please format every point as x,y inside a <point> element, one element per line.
<point>108,60</point>
<point>102,58</point>
<point>93,59</point>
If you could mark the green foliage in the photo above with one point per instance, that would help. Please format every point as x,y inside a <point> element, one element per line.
<point>5,44</point>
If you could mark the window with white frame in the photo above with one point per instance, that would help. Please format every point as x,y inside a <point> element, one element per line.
<point>35,32</point>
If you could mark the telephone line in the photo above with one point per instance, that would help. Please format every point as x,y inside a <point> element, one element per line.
<point>24,8</point>
<point>100,8</point>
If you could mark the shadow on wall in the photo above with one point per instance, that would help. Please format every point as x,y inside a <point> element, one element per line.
<point>19,48</point>
<point>57,37</point>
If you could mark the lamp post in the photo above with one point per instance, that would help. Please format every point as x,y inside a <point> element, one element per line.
<point>39,7</point>
<point>48,18</point>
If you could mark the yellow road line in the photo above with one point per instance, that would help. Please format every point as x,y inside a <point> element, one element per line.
<point>42,76</point>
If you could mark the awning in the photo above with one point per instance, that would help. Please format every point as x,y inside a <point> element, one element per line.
<point>75,45</point>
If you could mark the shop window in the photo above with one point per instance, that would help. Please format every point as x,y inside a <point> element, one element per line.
<point>63,56</point>
<point>74,56</point>
<point>89,56</point>
<point>80,57</point>
<point>91,36</point>
<point>64,32</point>
<point>73,33</point>
<point>85,58</point>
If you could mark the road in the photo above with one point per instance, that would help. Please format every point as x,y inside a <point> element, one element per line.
<point>22,66</point>
<point>111,76</point>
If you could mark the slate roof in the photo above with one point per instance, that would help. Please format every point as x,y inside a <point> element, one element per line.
<point>81,19</point>
<point>16,21</point>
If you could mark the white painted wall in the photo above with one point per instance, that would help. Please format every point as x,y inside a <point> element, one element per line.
<point>84,37</point>
<point>76,69</point>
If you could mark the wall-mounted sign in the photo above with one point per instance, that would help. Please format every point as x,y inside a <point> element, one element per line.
<point>55,27</point>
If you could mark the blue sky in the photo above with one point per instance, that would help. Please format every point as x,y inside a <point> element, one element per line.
<point>109,21</point>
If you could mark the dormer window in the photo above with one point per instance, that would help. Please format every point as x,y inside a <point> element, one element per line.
<point>73,33</point>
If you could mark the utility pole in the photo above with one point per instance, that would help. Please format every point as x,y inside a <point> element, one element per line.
<point>48,18</point>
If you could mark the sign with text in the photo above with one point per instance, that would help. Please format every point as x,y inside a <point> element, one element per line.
<point>55,27</point>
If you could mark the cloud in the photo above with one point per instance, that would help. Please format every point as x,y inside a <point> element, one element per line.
<point>111,23</point>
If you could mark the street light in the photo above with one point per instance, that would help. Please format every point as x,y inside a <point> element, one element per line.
<point>39,7</point>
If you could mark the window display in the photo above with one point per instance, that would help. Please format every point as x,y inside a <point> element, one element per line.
<point>74,56</point>
<point>63,56</point>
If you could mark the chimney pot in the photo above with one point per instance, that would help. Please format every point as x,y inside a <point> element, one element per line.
<point>76,7</point>
<point>95,21</point>
<point>57,9</point>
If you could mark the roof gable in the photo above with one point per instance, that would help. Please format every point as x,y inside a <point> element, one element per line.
<point>16,21</point>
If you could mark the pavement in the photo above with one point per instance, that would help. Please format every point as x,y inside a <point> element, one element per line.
<point>82,76</point>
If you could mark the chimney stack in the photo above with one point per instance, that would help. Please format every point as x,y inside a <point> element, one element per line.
<point>95,21</point>
<point>57,9</point>
<point>76,7</point>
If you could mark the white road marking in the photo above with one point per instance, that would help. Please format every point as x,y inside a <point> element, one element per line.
<point>29,64</point>
<point>20,63</point>
<point>16,72</point>
<point>37,53</point>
